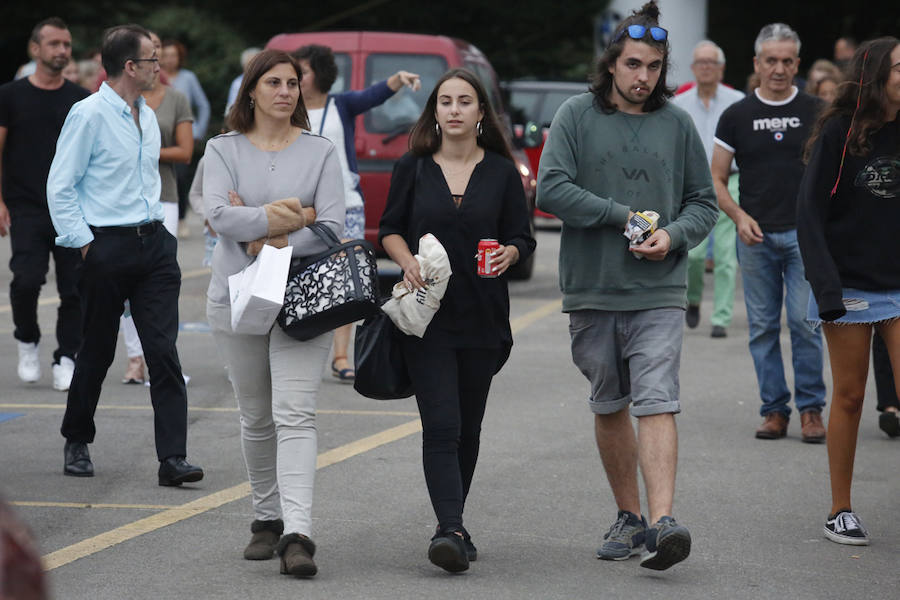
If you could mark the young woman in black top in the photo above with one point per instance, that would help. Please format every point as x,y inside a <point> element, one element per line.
<point>459,183</point>
<point>849,208</point>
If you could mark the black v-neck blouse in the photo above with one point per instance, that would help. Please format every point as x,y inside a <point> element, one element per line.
<point>475,310</point>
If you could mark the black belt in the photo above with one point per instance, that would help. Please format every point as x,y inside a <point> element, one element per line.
<point>142,230</point>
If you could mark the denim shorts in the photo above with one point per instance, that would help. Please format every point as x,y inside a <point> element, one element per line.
<point>355,223</point>
<point>863,307</point>
<point>630,357</point>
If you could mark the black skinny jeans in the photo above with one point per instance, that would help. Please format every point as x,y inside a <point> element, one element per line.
<point>122,265</point>
<point>32,238</point>
<point>451,390</point>
<point>884,375</point>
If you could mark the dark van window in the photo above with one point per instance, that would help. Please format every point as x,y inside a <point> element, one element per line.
<point>342,83</point>
<point>403,108</point>
<point>524,106</point>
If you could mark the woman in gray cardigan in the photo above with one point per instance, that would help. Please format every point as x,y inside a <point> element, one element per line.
<point>263,183</point>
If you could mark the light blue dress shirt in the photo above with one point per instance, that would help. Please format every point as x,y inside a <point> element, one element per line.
<point>105,171</point>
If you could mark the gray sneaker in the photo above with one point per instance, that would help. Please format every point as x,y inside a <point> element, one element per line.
<point>667,543</point>
<point>625,538</point>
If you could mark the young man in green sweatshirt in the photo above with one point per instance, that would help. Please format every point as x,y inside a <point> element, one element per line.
<point>620,149</point>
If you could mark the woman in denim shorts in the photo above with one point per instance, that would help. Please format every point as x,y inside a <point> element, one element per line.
<point>849,211</point>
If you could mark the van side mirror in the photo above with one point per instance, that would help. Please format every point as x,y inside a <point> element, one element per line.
<point>531,135</point>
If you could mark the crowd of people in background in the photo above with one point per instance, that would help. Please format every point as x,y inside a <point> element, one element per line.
<point>793,179</point>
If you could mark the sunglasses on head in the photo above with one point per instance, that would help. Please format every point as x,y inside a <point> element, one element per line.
<point>637,32</point>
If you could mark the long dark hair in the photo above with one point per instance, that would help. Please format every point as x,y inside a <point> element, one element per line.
<point>424,138</point>
<point>240,116</point>
<point>602,81</point>
<point>866,76</point>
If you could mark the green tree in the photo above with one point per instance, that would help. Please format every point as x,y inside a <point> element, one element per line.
<point>214,50</point>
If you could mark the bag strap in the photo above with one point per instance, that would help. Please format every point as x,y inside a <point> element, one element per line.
<point>325,234</point>
<point>324,114</point>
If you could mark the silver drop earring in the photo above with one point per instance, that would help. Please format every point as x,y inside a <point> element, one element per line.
<point>252,103</point>
<point>478,128</point>
<point>437,129</point>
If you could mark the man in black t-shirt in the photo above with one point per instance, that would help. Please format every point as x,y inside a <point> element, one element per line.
<point>765,133</point>
<point>32,112</point>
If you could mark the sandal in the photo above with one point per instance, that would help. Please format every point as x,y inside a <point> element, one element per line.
<point>134,373</point>
<point>343,375</point>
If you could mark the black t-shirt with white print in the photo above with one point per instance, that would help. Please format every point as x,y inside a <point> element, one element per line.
<point>767,139</point>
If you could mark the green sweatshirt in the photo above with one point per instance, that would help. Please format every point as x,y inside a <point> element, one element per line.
<point>594,168</point>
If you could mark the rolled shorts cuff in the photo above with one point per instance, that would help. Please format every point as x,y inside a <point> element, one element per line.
<point>655,407</point>
<point>608,407</point>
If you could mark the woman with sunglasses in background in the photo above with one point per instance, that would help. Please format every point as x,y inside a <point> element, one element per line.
<point>458,182</point>
<point>848,211</point>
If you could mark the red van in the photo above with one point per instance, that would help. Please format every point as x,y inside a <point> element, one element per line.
<point>364,58</point>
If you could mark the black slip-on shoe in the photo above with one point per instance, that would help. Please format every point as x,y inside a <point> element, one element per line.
<point>175,470</point>
<point>77,461</point>
<point>448,551</point>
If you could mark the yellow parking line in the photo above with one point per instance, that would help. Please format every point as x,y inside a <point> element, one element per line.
<point>229,409</point>
<point>173,515</point>
<point>520,323</point>
<point>179,513</point>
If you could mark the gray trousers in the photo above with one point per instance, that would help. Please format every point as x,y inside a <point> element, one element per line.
<point>276,381</point>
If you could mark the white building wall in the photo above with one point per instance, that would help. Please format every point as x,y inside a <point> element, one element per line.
<point>686,22</point>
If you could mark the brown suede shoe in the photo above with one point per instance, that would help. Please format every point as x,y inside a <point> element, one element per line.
<point>774,426</point>
<point>265,537</point>
<point>811,428</point>
<point>296,552</point>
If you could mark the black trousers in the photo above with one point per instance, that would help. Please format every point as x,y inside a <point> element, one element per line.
<point>32,241</point>
<point>451,390</point>
<point>884,375</point>
<point>123,265</point>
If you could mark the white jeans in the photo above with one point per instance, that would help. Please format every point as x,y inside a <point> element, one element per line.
<point>276,381</point>
<point>129,331</point>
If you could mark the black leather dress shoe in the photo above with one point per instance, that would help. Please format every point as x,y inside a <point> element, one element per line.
<point>77,460</point>
<point>175,471</point>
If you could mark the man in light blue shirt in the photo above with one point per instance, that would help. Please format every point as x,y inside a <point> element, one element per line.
<point>103,195</point>
<point>706,102</point>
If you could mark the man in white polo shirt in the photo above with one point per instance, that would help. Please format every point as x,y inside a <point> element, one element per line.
<point>706,102</point>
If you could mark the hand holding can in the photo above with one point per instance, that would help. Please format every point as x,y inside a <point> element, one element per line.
<point>486,249</point>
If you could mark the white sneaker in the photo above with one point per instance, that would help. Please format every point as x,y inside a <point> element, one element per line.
<point>29,362</point>
<point>62,374</point>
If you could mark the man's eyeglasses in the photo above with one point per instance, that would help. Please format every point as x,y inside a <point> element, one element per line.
<point>637,32</point>
<point>706,62</point>
<point>152,60</point>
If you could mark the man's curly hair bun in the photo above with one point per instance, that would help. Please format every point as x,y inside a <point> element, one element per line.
<point>649,10</point>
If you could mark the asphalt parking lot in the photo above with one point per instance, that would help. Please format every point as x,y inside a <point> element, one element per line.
<point>538,507</point>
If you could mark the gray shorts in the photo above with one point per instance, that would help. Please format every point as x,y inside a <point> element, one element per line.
<point>630,357</point>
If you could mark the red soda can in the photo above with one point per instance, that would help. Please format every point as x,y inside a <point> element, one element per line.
<point>486,249</point>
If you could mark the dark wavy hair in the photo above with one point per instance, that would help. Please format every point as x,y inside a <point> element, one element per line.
<point>321,61</point>
<point>871,66</point>
<point>425,140</point>
<point>240,117</point>
<point>602,80</point>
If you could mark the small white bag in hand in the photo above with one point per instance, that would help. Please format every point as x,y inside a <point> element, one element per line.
<point>257,292</point>
<point>412,311</point>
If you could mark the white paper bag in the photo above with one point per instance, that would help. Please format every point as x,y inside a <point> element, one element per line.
<point>412,311</point>
<point>257,292</point>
